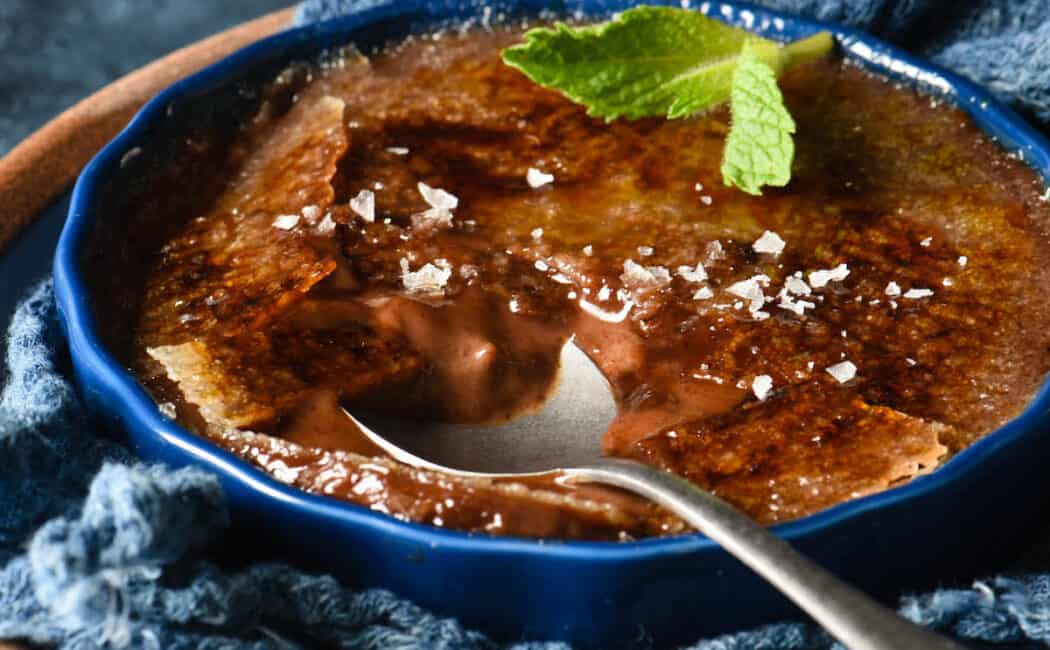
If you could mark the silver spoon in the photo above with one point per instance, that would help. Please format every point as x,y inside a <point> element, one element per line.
<point>565,437</point>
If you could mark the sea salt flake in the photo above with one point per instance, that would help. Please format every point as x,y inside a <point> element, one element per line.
<point>842,371</point>
<point>797,286</point>
<point>749,289</point>
<point>714,251</point>
<point>364,204</point>
<point>699,187</point>
<point>437,198</point>
<point>604,293</point>
<point>167,409</point>
<point>915,294</point>
<point>644,277</point>
<point>588,250</point>
<point>327,225</point>
<point>692,274</point>
<point>788,302</point>
<point>535,178</point>
<point>761,385</point>
<point>770,243</point>
<point>963,260</point>
<point>398,151</point>
<point>286,221</point>
<point>311,213</point>
<point>820,279</point>
<point>892,289</point>
<point>703,293</point>
<point>947,282</point>
<point>537,233</point>
<point>428,279</point>
<point>432,218</point>
<point>645,251</point>
<point>926,242</point>
<point>541,265</point>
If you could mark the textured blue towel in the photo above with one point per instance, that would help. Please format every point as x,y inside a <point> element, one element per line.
<point>123,565</point>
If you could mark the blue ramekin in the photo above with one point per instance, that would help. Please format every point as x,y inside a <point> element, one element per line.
<point>938,526</point>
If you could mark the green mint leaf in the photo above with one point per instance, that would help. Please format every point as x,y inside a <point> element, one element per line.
<point>648,61</point>
<point>759,149</point>
<point>662,61</point>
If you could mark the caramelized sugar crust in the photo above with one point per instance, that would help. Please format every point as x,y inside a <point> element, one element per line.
<point>266,311</point>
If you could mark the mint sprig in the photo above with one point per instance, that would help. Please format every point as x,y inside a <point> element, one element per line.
<point>662,61</point>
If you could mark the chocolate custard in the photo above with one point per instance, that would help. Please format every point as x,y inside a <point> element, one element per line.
<point>422,229</point>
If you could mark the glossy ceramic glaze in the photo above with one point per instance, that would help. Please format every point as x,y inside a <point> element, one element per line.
<point>937,527</point>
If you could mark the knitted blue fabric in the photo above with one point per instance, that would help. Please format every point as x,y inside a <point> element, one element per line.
<point>99,551</point>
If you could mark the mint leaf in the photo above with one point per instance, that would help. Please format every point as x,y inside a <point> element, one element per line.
<point>759,149</point>
<point>649,61</point>
<point>653,61</point>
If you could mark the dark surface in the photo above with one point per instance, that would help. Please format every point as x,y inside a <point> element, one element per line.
<point>54,53</point>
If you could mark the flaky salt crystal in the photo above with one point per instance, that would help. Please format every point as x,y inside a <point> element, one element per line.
<point>327,225</point>
<point>537,233</point>
<point>770,243</point>
<point>697,274</point>
<point>536,178</point>
<point>788,302</point>
<point>963,260</point>
<point>842,371</point>
<point>703,293</point>
<point>398,151</point>
<point>915,294</point>
<point>286,221</point>
<point>311,213</point>
<point>750,288</point>
<point>761,385</point>
<point>645,251</point>
<point>588,250</point>
<point>604,293</point>
<point>437,197</point>
<point>926,242</point>
<point>432,218</point>
<point>797,286</point>
<point>893,289</point>
<point>638,276</point>
<point>541,265</point>
<point>430,278</point>
<point>819,279</point>
<point>714,251</point>
<point>364,204</point>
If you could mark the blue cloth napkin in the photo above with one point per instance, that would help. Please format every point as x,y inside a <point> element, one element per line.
<point>99,551</point>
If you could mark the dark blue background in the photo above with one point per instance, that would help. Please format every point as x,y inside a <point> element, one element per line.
<point>53,53</point>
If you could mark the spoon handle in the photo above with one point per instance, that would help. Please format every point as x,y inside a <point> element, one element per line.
<point>849,615</point>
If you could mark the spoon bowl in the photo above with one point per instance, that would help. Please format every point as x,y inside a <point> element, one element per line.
<point>564,437</point>
<point>565,431</point>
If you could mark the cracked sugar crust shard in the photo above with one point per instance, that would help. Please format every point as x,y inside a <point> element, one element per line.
<point>248,380</point>
<point>231,271</point>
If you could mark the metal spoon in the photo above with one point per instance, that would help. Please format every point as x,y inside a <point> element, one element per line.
<point>565,437</point>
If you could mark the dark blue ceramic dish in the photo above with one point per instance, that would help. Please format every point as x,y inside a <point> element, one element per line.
<point>600,594</point>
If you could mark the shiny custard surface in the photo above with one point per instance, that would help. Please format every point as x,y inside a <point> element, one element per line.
<point>903,318</point>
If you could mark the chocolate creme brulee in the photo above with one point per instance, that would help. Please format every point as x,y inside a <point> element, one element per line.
<point>422,230</point>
